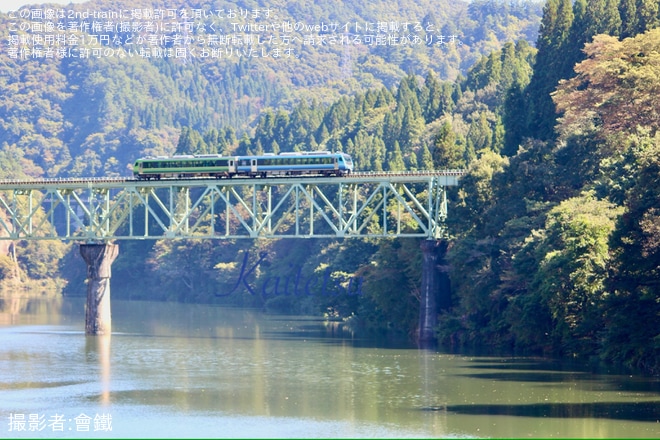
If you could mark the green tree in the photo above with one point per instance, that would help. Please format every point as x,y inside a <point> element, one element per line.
<point>446,151</point>
<point>395,159</point>
<point>476,196</point>
<point>515,125</point>
<point>648,15</point>
<point>480,134</point>
<point>427,158</point>
<point>190,142</point>
<point>411,128</point>
<point>632,317</point>
<point>552,44</point>
<point>629,19</point>
<point>569,274</point>
<point>391,288</point>
<point>181,265</point>
<point>13,163</point>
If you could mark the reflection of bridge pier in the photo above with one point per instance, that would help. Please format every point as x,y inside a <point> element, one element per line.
<point>99,258</point>
<point>435,291</point>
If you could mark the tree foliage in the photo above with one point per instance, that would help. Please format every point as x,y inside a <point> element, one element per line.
<point>616,89</point>
<point>562,257</point>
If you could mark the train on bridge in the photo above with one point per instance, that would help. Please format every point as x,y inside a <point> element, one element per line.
<point>311,163</point>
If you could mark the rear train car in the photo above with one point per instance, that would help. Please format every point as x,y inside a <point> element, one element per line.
<point>317,163</point>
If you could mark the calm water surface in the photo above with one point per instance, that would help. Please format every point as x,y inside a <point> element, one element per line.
<point>180,370</point>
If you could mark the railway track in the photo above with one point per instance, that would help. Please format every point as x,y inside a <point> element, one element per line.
<point>361,175</point>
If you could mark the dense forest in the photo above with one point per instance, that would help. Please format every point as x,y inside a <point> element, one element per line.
<point>551,108</point>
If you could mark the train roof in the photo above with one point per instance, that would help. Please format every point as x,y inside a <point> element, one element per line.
<point>217,156</point>
<point>293,153</point>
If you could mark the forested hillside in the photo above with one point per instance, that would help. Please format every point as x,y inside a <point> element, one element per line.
<point>557,238</point>
<point>551,108</point>
<point>81,97</point>
<point>86,98</point>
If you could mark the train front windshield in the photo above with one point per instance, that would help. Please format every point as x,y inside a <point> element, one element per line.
<point>348,161</point>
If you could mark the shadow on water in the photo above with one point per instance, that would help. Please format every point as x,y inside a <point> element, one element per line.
<point>335,333</point>
<point>556,372</point>
<point>367,342</point>
<point>634,411</point>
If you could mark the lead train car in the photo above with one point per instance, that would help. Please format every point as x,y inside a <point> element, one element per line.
<point>316,163</point>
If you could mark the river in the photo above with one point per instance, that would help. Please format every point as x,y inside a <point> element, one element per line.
<point>184,370</point>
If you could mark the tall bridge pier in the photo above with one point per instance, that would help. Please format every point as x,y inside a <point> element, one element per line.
<point>99,258</point>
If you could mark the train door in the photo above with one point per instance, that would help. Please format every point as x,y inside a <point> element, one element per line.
<point>253,165</point>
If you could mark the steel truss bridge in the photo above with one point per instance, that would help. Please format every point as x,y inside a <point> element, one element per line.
<point>411,204</point>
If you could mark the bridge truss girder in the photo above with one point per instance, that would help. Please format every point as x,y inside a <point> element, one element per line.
<point>405,205</point>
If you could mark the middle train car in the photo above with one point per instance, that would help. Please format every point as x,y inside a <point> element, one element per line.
<point>318,163</point>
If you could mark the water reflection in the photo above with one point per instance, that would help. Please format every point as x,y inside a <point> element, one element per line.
<point>22,308</point>
<point>181,370</point>
<point>97,350</point>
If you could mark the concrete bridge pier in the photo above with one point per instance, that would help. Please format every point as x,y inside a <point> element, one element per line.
<point>435,291</point>
<point>99,258</point>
